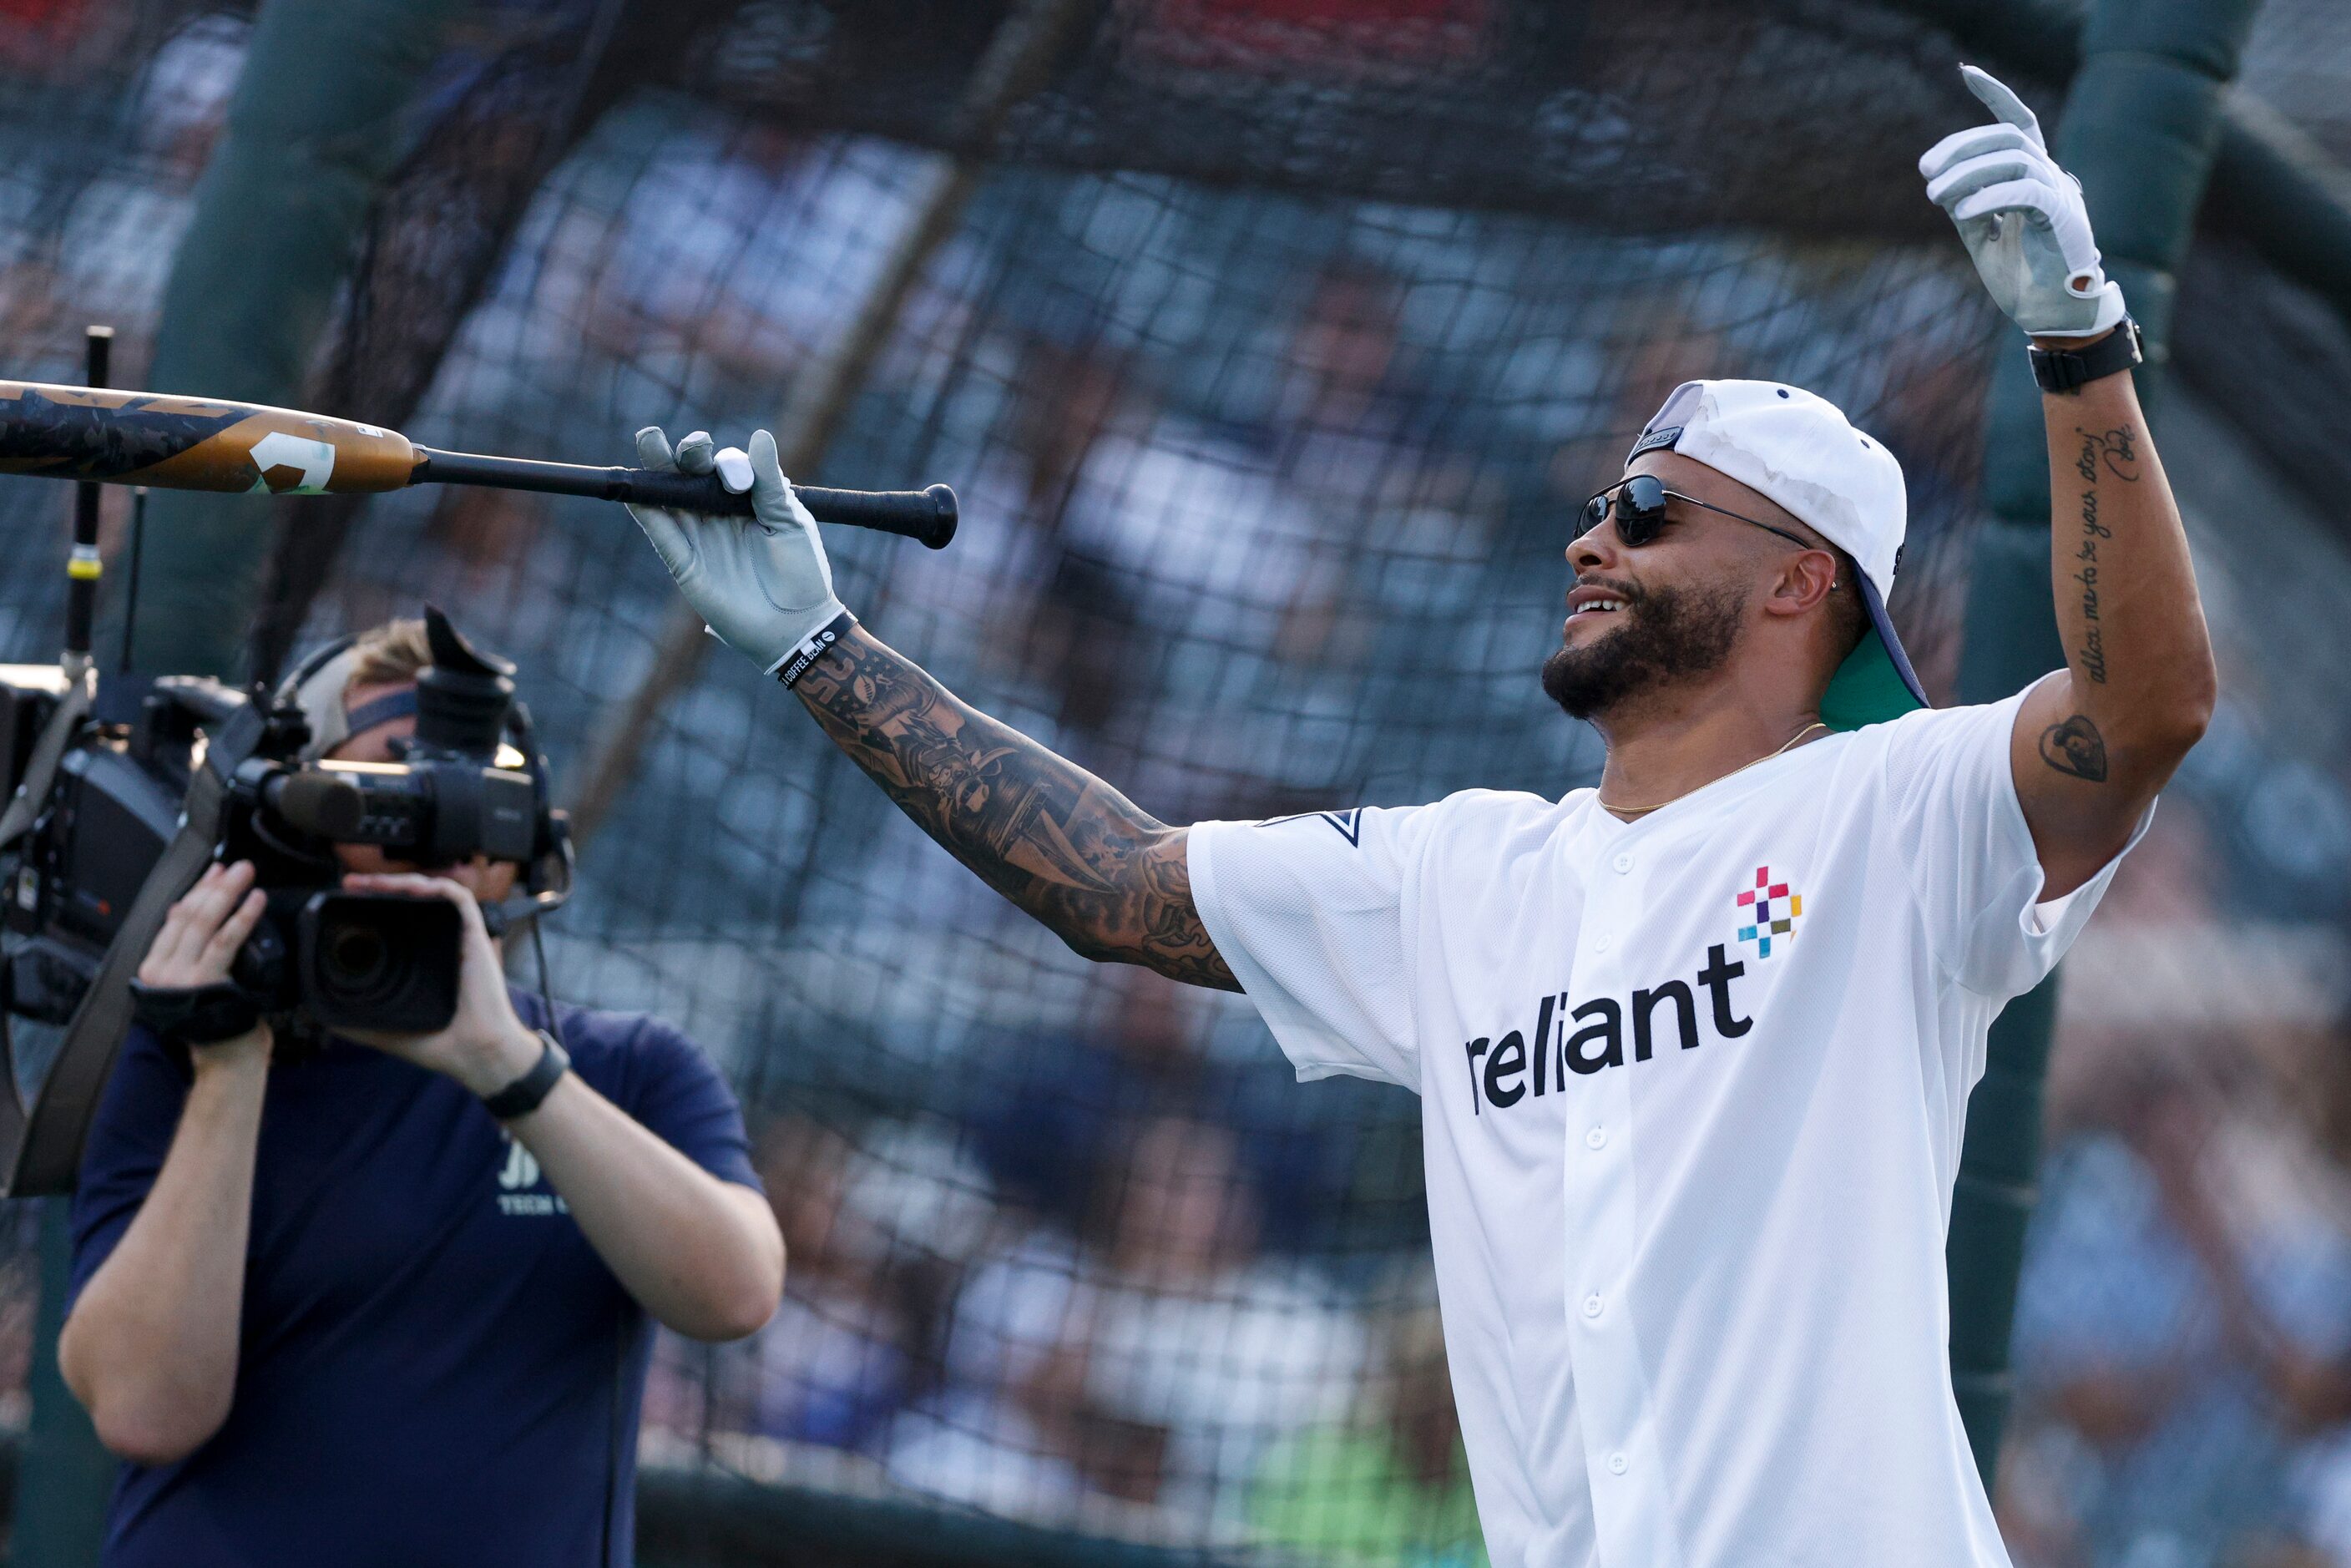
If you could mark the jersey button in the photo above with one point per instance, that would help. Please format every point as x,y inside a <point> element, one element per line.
<point>1591,1305</point>
<point>1623,862</point>
<point>1595,1138</point>
<point>1602,945</point>
<point>1617,1463</point>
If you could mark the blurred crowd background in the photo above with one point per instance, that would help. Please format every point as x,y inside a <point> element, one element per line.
<point>1270,353</point>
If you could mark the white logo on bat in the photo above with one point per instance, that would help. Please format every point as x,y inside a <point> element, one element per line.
<point>316,459</point>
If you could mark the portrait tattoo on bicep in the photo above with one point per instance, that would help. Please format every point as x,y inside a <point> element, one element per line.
<point>2076,747</point>
<point>1104,876</point>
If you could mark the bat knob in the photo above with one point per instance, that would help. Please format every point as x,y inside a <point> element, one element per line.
<point>946,512</point>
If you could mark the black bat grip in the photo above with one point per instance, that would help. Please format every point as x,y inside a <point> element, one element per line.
<point>928,515</point>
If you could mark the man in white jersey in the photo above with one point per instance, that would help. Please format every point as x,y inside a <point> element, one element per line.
<point>1694,1048</point>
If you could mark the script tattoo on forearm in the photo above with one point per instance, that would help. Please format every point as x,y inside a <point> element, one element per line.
<point>1104,876</point>
<point>2103,454</point>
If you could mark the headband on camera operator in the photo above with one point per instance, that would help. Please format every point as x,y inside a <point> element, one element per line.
<point>316,687</point>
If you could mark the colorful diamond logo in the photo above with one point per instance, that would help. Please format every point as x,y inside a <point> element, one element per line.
<point>1769,909</point>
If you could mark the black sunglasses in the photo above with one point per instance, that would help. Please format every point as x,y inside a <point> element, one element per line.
<point>1639,504</point>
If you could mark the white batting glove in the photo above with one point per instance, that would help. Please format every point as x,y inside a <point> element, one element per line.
<point>2023,219</point>
<point>761,584</point>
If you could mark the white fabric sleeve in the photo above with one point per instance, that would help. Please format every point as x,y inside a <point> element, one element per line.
<point>1308,913</point>
<point>1957,826</point>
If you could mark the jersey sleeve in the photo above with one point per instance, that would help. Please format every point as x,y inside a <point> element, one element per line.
<point>1957,826</point>
<point>677,1093</point>
<point>128,1135</point>
<point>1308,913</point>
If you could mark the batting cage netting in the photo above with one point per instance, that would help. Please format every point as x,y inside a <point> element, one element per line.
<point>1270,345</point>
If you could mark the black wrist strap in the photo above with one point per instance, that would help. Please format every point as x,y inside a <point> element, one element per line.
<point>195,1015</point>
<point>521,1097</point>
<point>2070,370</point>
<point>813,647</point>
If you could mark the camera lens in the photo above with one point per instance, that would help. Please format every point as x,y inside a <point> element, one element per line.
<point>356,959</point>
<point>380,961</point>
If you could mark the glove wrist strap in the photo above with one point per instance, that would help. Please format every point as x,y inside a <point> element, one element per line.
<point>812,647</point>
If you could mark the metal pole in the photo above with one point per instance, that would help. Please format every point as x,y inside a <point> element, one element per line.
<point>82,566</point>
<point>2142,125</point>
<point>66,1476</point>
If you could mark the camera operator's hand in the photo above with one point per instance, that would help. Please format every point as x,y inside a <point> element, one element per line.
<point>702,1255</point>
<point>200,937</point>
<point>487,1046</point>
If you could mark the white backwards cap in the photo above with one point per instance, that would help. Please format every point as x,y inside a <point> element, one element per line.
<point>1798,449</point>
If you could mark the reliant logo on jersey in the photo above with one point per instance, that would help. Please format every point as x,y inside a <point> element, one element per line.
<point>1591,1038</point>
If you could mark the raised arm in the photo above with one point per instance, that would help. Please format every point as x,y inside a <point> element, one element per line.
<point>1105,877</point>
<point>2094,743</point>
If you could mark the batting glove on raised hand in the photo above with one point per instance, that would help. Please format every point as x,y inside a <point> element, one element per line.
<point>2023,219</point>
<point>761,584</point>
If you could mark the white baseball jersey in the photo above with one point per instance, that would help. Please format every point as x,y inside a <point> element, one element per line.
<point>1692,1090</point>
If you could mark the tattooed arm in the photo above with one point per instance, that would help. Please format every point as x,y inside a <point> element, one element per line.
<point>1102,876</point>
<point>2095,742</point>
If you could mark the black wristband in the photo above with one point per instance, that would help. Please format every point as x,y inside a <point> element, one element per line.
<point>2070,370</point>
<point>812,648</point>
<point>521,1097</point>
<point>195,1015</point>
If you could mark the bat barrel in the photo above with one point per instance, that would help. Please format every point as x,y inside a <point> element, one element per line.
<point>192,444</point>
<point>926,516</point>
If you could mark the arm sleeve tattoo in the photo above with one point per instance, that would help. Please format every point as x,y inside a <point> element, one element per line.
<point>1102,875</point>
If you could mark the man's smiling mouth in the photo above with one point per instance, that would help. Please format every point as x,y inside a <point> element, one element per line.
<point>1596,599</point>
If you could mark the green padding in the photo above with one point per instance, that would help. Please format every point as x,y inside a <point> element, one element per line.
<point>325,111</point>
<point>1866,689</point>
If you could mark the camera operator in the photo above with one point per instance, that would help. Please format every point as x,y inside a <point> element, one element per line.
<point>331,1308</point>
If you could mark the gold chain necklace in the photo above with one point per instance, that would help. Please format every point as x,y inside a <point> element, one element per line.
<point>1783,746</point>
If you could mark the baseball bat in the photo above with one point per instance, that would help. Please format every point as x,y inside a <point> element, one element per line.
<point>175,442</point>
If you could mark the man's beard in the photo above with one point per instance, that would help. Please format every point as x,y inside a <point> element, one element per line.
<point>1671,635</point>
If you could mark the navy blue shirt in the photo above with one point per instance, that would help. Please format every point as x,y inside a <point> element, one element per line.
<point>433,1365</point>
